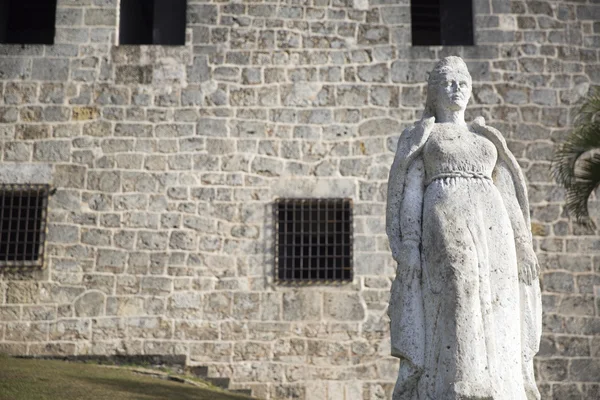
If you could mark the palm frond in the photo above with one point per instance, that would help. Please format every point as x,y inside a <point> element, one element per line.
<point>582,139</point>
<point>587,180</point>
<point>579,174</point>
<point>590,110</point>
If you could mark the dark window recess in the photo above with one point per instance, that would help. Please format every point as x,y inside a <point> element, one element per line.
<point>153,22</point>
<point>442,22</point>
<point>313,240</point>
<point>22,225</point>
<point>27,21</point>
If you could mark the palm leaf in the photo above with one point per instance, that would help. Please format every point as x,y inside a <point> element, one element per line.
<point>587,180</point>
<point>582,139</point>
<point>579,174</point>
<point>589,111</point>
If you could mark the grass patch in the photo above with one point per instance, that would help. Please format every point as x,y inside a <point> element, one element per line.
<point>31,379</point>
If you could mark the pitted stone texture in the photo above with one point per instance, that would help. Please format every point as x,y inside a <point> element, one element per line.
<point>458,218</point>
<point>166,161</point>
<point>90,304</point>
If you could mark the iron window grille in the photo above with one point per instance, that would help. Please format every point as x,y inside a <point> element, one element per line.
<point>313,240</point>
<point>27,21</point>
<point>160,22</point>
<point>23,216</point>
<point>442,22</point>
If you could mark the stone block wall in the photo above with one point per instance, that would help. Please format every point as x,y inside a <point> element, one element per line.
<point>166,161</point>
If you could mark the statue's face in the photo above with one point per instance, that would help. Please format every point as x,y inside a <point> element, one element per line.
<point>454,91</point>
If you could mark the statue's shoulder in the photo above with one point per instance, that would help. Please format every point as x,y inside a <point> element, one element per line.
<point>420,127</point>
<point>478,125</point>
<point>406,132</point>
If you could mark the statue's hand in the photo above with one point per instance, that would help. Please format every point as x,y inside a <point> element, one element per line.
<point>408,256</point>
<point>529,268</point>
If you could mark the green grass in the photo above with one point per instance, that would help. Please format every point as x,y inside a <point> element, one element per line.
<point>30,379</point>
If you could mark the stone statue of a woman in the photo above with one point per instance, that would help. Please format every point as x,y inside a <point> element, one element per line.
<point>465,306</point>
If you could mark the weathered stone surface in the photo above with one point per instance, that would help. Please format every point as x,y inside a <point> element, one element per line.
<point>90,304</point>
<point>379,127</point>
<point>26,173</point>
<point>125,306</point>
<point>343,307</point>
<point>13,68</point>
<point>71,329</point>
<point>133,74</point>
<point>105,181</point>
<point>301,306</point>
<point>165,161</point>
<point>51,151</point>
<point>425,236</point>
<point>50,69</point>
<point>70,176</point>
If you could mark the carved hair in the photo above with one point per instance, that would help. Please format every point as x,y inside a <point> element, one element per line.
<point>445,65</point>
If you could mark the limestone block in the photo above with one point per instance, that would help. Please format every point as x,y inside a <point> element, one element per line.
<point>251,351</point>
<point>202,14</point>
<point>186,300</point>
<point>71,329</point>
<point>212,127</point>
<point>148,327</point>
<point>58,233</point>
<point>164,347</point>
<point>203,352</point>
<point>149,240</point>
<point>90,304</point>
<point>39,313</point>
<point>156,285</point>
<point>111,258</point>
<point>343,306</point>
<point>125,306</point>
<point>70,176</point>
<point>51,151</point>
<point>133,74</point>
<point>302,306</point>
<point>50,69</point>
<point>13,349</point>
<point>14,68</point>
<point>246,306</point>
<point>290,350</point>
<point>22,293</point>
<point>8,114</point>
<point>379,127</point>
<point>108,328</point>
<point>217,305</point>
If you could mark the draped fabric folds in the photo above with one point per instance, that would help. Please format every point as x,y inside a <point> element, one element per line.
<point>480,245</point>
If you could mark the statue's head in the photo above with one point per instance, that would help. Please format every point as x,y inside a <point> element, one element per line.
<point>449,86</point>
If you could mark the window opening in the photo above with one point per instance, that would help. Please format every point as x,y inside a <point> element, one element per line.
<point>442,22</point>
<point>27,21</point>
<point>313,240</point>
<point>23,214</point>
<point>160,22</point>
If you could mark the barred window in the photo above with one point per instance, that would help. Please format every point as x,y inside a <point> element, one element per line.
<point>27,21</point>
<point>152,22</point>
<point>23,211</point>
<point>313,240</point>
<point>442,22</point>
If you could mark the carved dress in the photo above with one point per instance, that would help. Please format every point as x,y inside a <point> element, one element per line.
<point>468,325</point>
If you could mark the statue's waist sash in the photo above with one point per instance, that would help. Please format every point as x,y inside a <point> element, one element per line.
<point>459,174</point>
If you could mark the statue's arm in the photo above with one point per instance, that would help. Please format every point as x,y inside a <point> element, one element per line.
<point>503,178</point>
<point>412,202</point>
<point>509,178</point>
<point>404,200</point>
<point>527,260</point>
<point>394,197</point>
